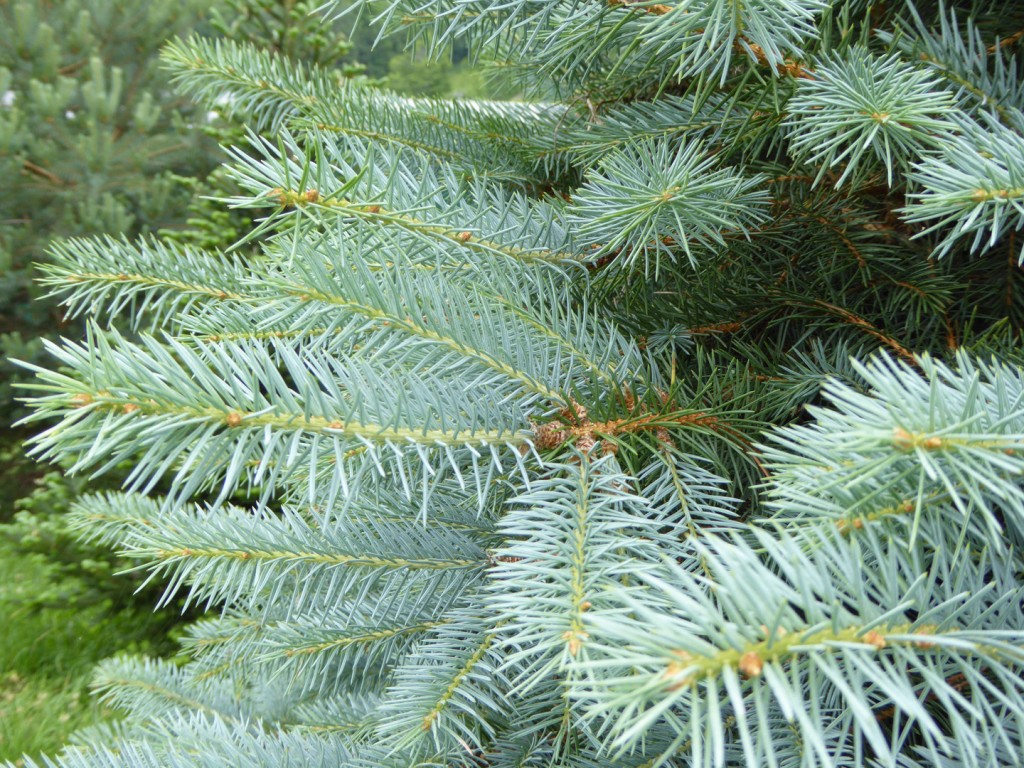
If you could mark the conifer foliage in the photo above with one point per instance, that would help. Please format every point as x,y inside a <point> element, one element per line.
<point>672,416</point>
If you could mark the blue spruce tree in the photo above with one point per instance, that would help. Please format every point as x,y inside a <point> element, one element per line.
<point>671,416</point>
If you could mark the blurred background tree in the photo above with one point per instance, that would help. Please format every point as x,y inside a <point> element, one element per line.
<point>92,140</point>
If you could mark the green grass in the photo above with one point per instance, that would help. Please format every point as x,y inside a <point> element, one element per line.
<point>47,654</point>
<point>45,658</point>
<point>38,713</point>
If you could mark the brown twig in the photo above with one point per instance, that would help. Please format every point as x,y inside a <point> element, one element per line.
<point>841,234</point>
<point>870,328</point>
<point>70,69</point>
<point>731,327</point>
<point>1006,41</point>
<point>576,426</point>
<point>38,170</point>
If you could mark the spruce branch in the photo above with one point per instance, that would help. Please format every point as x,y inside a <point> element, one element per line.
<point>399,189</point>
<point>212,410</point>
<point>277,94</point>
<point>862,111</point>
<point>954,431</point>
<point>647,200</point>
<point>445,685</point>
<point>148,282</point>
<point>698,656</point>
<point>955,49</point>
<point>973,190</point>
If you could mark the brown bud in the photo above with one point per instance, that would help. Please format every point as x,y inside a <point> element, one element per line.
<point>875,639</point>
<point>673,673</point>
<point>463,237</point>
<point>751,664</point>
<point>925,630</point>
<point>129,408</point>
<point>630,400</point>
<point>310,196</point>
<point>575,412</point>
<point>550,435</point>
<point>933,443</point>
<point>428,721</point>
<point>233,419</point>
<point>575,638</point>
<point>81,400</point>
<point>902,439</point>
